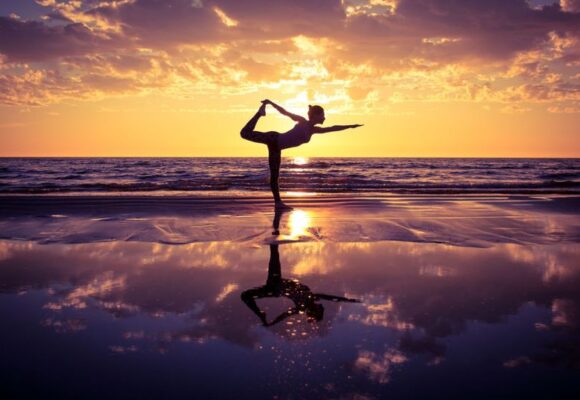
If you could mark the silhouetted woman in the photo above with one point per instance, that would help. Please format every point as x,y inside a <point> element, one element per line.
<point>276,142</point>
<point>304,300</point>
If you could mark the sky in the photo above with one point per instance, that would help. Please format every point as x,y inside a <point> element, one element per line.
<point>427,78</point>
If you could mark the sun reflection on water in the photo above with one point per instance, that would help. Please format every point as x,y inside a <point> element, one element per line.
<point>300,194</point>
<point>300,161</point>
<point>299,221</point>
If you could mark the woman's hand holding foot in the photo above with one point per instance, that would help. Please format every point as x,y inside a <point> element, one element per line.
<point>262,109</point>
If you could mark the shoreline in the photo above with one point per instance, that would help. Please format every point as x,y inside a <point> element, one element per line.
<point>451,191</point>
<point>259,202</point>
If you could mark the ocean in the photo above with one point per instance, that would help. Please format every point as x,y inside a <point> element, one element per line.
<point>177,278</point>
<point>319,175</point>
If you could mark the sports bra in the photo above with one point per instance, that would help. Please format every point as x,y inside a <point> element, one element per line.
<point>301,133</point>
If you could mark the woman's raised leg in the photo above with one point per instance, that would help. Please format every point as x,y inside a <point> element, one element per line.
<point>247,131</point>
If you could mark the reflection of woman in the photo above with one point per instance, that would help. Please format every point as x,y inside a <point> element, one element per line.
<point>276,142</point>
<point>304,300</point>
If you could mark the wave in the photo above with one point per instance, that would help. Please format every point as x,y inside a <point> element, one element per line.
<point>332,175</point>
<point>561,175</point>
<point>336,185</point>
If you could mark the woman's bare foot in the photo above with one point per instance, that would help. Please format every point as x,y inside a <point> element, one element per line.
<point>262,110</point>
<point>279,205</point>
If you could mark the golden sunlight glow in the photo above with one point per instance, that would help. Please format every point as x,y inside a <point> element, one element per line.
<point>299,222</point>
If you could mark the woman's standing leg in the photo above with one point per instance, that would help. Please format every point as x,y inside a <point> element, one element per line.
<point>274,268</point>
<point>274,160</point>
<point>274,153</point>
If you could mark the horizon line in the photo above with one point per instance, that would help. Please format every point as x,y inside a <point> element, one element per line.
<point>308,157</point>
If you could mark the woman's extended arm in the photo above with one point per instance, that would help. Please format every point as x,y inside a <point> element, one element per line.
<point>282,111</point>
<point>335,128</point>
<point>329,297</point>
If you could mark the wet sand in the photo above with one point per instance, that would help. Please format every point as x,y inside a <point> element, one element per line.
<point>472,296</point>
<point>473,221</point>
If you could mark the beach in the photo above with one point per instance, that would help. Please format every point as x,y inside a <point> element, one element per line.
<point>462,220</point>
<point>290,200</point>
<point>472,295</point>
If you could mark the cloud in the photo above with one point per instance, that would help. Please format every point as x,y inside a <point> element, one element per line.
<point>379,367</point>
<point>444,31</point>
<point>31,87</point>
<point>356,54</point>
<point>162,23</point>
<point>570,5</point>
<point>37,41</point>
<point>441,30</point>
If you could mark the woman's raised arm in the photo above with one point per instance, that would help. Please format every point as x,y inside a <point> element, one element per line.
<point>283,111</point>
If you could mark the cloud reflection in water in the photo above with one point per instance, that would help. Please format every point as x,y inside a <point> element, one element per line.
<point>163,297</point>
